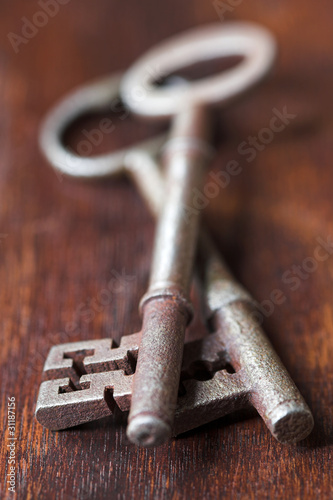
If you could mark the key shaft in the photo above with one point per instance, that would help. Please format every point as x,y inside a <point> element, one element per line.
<point>166,306</point>
<point>231,313</point>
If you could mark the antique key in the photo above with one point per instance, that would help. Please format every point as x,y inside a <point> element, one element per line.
<point>288,421</point>
<point>166,308</point>
<point>87,379</point>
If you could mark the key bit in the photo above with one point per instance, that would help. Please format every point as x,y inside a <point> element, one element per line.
<point>66,402</point>
<point>73,395</point>
<point>231,311</point>
<point>80,390</point>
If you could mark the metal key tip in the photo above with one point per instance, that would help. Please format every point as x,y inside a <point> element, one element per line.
<point>290,422</point>
<point>148,431</point>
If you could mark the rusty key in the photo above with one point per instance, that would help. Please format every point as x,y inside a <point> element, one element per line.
<point>166,309</point>
<point>216,396</point>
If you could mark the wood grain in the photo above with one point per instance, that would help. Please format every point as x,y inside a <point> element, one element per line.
<point>62,241</point>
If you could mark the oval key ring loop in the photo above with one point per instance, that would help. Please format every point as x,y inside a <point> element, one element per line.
<point>253,42</point>
<point>249,40</point>
<point>95,96</point>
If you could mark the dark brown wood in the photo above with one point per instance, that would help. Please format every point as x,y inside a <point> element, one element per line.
<point>62,241</point>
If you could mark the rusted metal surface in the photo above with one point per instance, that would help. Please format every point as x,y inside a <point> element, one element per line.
<point>85,382</point>
<point>166,306</point>
<point>87,379</point>
<point>75,395</point>
<point>231,312</point>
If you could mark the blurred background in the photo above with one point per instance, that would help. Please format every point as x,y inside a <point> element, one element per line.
<point>62,241</point>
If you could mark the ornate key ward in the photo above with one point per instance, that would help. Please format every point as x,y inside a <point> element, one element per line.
<point>87,379</point>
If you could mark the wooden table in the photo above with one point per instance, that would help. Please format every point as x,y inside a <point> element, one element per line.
<point>61,241</point>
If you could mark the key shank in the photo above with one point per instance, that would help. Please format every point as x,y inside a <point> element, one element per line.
<point>166,307</point>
